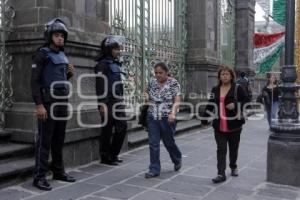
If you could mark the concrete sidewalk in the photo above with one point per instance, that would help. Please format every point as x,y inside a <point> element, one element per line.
<point>99,182</point>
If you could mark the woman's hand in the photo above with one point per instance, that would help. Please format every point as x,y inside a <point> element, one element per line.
<point>230,106</point>
<point>171,117</point>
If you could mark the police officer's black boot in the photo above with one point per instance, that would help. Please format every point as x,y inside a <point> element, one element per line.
<point>117,159</point>
<point>108,161</point>
<point>64,177</point>
<point>42,184</point>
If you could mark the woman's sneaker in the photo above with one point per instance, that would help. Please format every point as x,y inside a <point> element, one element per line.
<point>150,175</point>
<point>219,179</point>
<point>177,167</point>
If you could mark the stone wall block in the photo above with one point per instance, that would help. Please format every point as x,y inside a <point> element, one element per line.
<point>80,7</point>
<point>26,17</point>
<point>106,8</point>
<point>78,22</point>
<point>67,16</point>
<point>45,3</point>
<point>22,73</point>
<point>23,4</point>
<point>101,9</point>
<point>46,14</point>
<point>67,5</point>
<point>96,26</point>
<point>90,8</point>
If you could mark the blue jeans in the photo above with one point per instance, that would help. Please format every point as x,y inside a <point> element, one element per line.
<point>161,129</point>
<point>272,113</point>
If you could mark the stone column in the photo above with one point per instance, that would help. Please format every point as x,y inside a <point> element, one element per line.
<point>244,31</point>
<point>202,53</point>
<point>88,24</point>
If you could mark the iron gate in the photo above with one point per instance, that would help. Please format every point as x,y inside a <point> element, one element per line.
<point>155,31</point>
<point>6,15</point>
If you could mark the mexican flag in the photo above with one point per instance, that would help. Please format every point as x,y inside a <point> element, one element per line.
<point>278,11</point>
<point>267,49</point>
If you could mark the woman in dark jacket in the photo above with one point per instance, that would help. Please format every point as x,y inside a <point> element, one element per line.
<point>226,103</point>
<point>270,94</point>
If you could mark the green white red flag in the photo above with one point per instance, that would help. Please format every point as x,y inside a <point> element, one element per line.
<point>267,49</point>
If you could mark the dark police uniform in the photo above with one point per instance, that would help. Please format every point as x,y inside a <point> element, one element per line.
<point>50,66</point>
<point>111,144</point>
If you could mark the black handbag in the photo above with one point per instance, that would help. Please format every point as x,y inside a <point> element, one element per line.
<point>143,115</point>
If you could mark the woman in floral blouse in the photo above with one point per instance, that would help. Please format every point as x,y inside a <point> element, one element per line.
<point>163,98</point>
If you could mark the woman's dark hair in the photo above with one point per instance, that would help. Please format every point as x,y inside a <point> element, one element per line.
<point>230,70</point>
<point>162,65</point>
<point>269,76</point>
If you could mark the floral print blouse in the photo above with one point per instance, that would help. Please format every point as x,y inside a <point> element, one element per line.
<point>161,98</point>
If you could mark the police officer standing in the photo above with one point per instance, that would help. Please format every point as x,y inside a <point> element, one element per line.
<point>112,106</point>
<point>50,73</point>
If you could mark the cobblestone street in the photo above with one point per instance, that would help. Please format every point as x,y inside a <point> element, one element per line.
<point>97,181</point>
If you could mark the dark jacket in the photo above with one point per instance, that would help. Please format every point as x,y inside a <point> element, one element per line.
<point>113,88</point>
<point>270,95</point>
<point>242,98</point>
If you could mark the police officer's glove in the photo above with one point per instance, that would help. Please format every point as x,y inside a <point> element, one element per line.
<point>103,110</point>
<point>70,70</point>
<point>41,112</point>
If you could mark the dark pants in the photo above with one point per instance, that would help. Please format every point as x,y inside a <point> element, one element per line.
<point>111,142</point>
<point>233,140</point>
<point>51,136</point>
<point>272,111</point>
<point>161,129</point>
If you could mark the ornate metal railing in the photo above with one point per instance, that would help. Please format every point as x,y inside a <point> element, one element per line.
<point>155,31</point>
<point>6,15</point>
<point>226,32</point>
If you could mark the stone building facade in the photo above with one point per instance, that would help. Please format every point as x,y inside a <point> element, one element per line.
<point>88,25</point>
<point>203,56</point>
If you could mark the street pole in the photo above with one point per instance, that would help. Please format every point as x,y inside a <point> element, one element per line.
<point>297,54</point>
<point>290,32</point>
<point>283,158</point>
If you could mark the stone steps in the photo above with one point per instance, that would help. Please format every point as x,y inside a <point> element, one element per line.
<point>16,160</point>
<point>4,136</point>
<point>15,171</point>
<point>13,151</point>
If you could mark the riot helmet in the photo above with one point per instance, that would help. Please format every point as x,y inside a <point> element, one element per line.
<point>113,41</point>
<point>110,42</point>
<point>54,26</point>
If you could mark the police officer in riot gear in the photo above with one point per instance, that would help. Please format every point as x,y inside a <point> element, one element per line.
<point>50,73</point>
<point>111,105</point>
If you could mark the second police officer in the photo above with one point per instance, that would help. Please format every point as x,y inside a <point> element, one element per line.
<point>109,90</point>
<point>50,73</point>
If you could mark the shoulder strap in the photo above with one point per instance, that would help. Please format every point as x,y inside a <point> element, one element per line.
<point>44,50</point>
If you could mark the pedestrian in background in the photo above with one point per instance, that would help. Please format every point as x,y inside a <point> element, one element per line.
<point>50,73</point>
<point>163,97</point>
<point>227,100</point>
<point>244,82</point>
<point>270,94</point>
